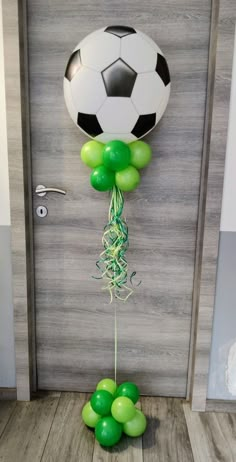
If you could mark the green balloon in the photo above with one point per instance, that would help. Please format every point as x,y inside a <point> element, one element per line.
<point>102,179</point>
<point>128,389</point>
<point>108,432</point>
<point>91,154</point>
<point>108,385</point>
<point>90,417</point>
<point>101,401</point>
<point>137,425</point>
<point>116,155</point>
<point>123,409</point>
<point>128,179</point>
<point>141,154</point>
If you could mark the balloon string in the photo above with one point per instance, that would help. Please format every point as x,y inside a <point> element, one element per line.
<point>112,261</point>
<point>115,342</point>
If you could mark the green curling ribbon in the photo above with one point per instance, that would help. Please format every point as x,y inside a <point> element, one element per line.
<point>112,261</point>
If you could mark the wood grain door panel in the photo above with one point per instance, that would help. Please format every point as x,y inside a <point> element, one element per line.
<point>74,320</point>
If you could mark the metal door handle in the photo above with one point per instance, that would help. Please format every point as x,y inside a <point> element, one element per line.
<point>41,190</point>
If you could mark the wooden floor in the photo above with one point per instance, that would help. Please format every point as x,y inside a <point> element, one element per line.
<point>50,429</point>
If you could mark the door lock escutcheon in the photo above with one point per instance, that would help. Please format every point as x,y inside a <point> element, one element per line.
<point>41,211</point>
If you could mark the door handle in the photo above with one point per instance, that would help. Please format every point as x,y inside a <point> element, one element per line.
<point>41,190</point>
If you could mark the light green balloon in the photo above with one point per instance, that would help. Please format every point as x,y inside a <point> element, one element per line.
<point>137,425</point>
<point>123,409</point>
<point>108,385</point>
<point>127,179</point>
<point>90,417</point>
<point>141,154</point>
<point>91,154</point>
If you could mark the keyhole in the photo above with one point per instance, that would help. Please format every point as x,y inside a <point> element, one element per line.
<point>42,211</point>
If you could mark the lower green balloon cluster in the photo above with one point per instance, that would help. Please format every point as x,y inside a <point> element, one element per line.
<point>115,163</point>
<point>111,411</point>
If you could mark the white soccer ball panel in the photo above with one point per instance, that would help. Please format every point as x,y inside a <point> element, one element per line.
<point>163,104</point>
<point>117,115</point>
<point>100,51</point>
<point>88,37</point>
<point>106,137</point>
<point>138,54</point>
<point>151,42</point>
<point>88,91</point>
<point>69,100</point>
<point>147,93</point>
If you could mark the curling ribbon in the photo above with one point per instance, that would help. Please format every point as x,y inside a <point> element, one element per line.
<point>112,261</point>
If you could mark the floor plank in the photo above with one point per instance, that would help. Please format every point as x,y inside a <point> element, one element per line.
<point>6,409</point>
<point>50,429</point>
<point>26,432</point>
<point>197,435</point>
<point>212,435</point>
<point>69,439</point>
<point>227,424</point>
<point>127,450</point>
<point>166,438</point>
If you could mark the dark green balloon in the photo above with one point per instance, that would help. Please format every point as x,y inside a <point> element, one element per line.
<point>128,389</point>
<point>102,179</point>
<point>116,155</point>
<point>101,401</point>
<point>107,431</point>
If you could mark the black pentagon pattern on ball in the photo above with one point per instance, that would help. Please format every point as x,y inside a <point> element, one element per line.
<point>73,65</point>
<point>119,79</point>
<point>89,123</point>
<point>162,69</point>
<point>120,31</point>
<point>144,124</point>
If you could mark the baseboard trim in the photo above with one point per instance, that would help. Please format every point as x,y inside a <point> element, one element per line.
<point>220,405</point>
<point>7,394</point>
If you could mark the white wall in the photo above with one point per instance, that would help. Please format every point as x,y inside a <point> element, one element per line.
<point>7,354</point>
<point>4,183</point>
<point>228,216</point>
<point>222,377</point>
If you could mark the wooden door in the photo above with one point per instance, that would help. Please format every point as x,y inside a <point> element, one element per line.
<point>74,320</point>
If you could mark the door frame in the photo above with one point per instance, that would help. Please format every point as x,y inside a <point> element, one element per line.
<point>221,45</point>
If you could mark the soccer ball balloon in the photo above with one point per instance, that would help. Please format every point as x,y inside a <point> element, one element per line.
<point>116,84</point>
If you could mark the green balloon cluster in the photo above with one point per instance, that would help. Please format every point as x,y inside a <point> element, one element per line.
<point>111,411</point>
<point>115,163</point>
